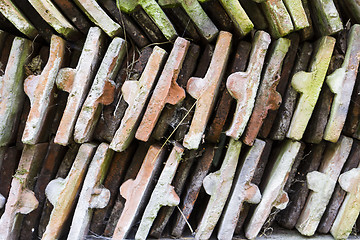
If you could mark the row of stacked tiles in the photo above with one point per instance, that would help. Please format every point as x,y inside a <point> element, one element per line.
<point>148,21</point>
<point>251,118</point>
<point>139,112</point>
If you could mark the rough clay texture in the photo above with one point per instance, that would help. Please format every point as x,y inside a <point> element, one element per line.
<point>99,17</point>
<point>201,20</point>
<point>322,184</point>
<point>54,18</point>
<point>243,85</point>
<point>13,14</point>
<point>205,91</point>
<point>218,186</point>
<point>349,210</point>
<point>308,84</point>
<point>154,11</point>
<point>192,191</point>
<point>92,194</point>
<point>21,198</point>
<point>136,93</point>
<point>242,22</point>
<point>62,192</point>
<point>163,194</point>
<point>136,190</point>
<point>11,89</point>
<point>40,90</point>
<point>77,82</point>
<point>327,18</point>
<point>166,91</point>
<point>243,191</point>
<point>287,108</point>
<point>274,195</point>
<point>341,83</point>
<point>297,13</point>
<point>278,17</point>
<point>267,97</point>
<point>101,92</point>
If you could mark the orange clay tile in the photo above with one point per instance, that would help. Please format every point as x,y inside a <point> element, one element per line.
<point>322,184</point>
<point>205,90</point>
<point>62,192</point>
<point>93,195</point>
<point>136,190</point>
<point>40,90</point>
<point>243,85</point>
<point>21,198</point>
<point>267,97</point>
<point>135,94</point>
<point>163,194</point>
<point>77,82</point>
<point>101,92</point>
<point>166,91</point>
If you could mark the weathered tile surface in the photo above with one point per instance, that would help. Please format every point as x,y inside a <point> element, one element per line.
<point>308,84</point>
<point>166,90</point>
<point>218,15</point>
<point>113,113</point>
<point>143,185</point>
<point>299,190</point>
<point>241,21</point>
<point>297,13</point>
<point>54,156</point>
<point>154,11</point>
<point>11,89</point>
<point>163,193</point>
<point>255,14</point>
<point>267,97</point>
<point>13,14</point>
<point>179,181</point>
<point>114,178</point>
<point>70,11</point>
<point>62,192</point>
<point>62,172</point>
<point>193,8</point>
<point>218,186</point>
<point>171,116</point>
<point>54,18</point>
<point>278,17</point>
<point>322,184</point>
<point>350,208</point>
<point>341,83</point>
<point>186,111</point>
<point>243,85</point>
<point>274,195</point>
<point>283,119</point>
<point>99,17</point>
<point>353,117</point>
<point>21,198</point>
<point>205,90</point>
<point>136,93</point>
<point>40,90</point>
<point>101,91</point>
<point>256,180</point>
<point>339,194</point>
<point>287,67</point>
<point>92,194</point>
<point>224,104</point>
<point>133,31</point>
<point>243,191</point>
<point>326,17</point>
<point>76,82</point>
<point>192,190</point>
